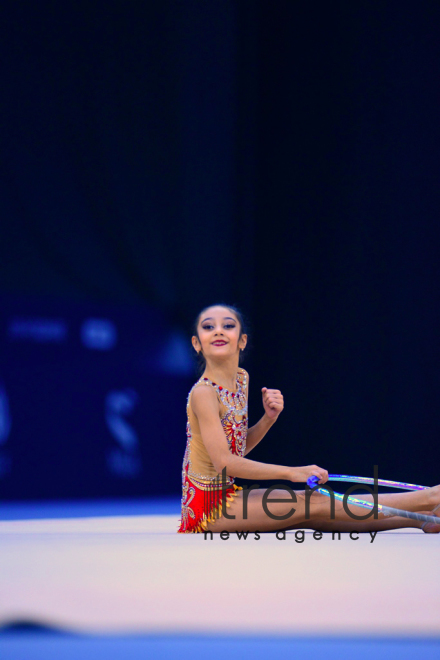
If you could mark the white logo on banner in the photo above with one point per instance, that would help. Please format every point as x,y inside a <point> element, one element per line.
<point>123,461</point>
<point>5,429</point>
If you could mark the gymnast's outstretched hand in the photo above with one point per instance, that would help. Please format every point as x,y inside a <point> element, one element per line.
<point>273,402</point>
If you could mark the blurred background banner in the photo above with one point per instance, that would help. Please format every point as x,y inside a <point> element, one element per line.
<point>159,157</point>
<point>85,398</point>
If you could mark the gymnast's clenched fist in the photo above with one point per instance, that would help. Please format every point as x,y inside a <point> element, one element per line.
<point>273,403</point>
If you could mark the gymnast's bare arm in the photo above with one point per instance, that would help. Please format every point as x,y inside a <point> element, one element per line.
<point>206,408</point>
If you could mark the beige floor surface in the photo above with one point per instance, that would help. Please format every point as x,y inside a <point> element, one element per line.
<point>137,575</point>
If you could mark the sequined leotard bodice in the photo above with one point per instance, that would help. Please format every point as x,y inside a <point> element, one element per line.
<point>198,473</point>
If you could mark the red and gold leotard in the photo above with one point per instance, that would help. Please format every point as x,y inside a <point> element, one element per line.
<point>201,483</point>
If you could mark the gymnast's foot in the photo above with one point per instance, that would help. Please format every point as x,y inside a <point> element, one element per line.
<point>431,527</point>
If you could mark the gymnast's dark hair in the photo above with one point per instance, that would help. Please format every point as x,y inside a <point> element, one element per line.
<point>244,330</point>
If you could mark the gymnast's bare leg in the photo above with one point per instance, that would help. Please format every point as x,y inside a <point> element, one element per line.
<point>320,512</point>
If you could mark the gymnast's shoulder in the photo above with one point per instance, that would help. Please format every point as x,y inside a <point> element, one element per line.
<point>203,400</point>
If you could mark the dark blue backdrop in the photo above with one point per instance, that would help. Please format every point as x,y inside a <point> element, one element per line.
<point>158,157</point>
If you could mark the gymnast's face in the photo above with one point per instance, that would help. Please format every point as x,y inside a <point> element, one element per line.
<point>219,334</point>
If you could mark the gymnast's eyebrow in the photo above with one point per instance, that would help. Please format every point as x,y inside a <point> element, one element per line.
<point>225,318</point>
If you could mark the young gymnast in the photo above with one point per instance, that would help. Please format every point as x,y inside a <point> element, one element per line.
<point>218,439</point>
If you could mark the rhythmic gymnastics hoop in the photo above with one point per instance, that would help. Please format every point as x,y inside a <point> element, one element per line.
<point>312,482</point>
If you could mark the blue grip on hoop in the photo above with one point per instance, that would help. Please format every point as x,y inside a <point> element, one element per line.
<point>312,481</point>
